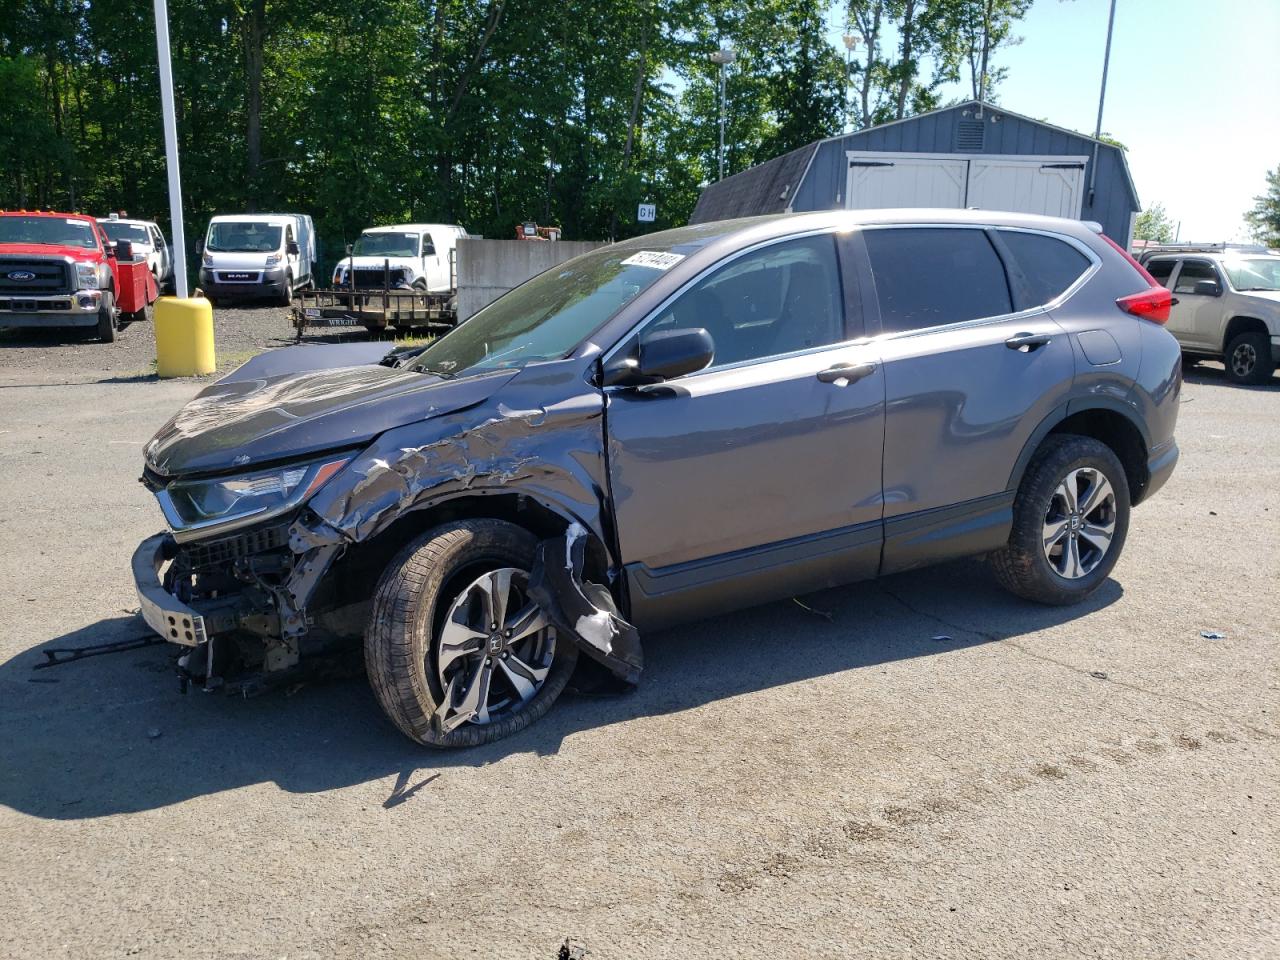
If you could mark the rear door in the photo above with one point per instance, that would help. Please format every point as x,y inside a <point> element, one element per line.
<point>758,477</point>
<point>968,378</point>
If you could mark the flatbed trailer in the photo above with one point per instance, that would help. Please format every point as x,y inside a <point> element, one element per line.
<point>375,310</point>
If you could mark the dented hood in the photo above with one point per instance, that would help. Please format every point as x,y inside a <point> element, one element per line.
<point>285,407</point>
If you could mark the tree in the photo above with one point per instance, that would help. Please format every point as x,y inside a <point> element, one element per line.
<point>1153,224</point>
<point>1264,218</point>
<point>977,29</point>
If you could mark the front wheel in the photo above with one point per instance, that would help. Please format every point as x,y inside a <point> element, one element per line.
<point>1070,518</point>
<point>457,653</point>
<point>1248,358</point>
<point>107,318</point>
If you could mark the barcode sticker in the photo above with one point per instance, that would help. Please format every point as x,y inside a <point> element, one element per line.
<point>654,259</point>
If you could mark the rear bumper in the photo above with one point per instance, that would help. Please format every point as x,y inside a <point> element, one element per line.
<point>1160,468</point>
<point>77,309</point>
<point>163,612</point>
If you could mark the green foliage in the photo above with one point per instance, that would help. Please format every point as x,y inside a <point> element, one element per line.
<point>1264,218</point>
<point>481,112</point>
<point>1153,224</point>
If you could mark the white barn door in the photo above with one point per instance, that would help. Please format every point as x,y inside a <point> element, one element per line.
<point>1020,184</point>
<point>1049,185</point>
<point>888,180</point>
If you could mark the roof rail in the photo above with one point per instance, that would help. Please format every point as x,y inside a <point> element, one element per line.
<point>1204,248</point>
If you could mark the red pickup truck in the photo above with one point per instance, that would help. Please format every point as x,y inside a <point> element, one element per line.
<point>60,270</point>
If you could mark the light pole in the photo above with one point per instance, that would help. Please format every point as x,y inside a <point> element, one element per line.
<point>171,150</point>
<point>723,57</point>
<point>850,41</point>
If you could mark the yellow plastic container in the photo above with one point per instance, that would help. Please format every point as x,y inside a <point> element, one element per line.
<point>184,337</point>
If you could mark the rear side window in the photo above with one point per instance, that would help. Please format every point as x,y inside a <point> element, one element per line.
<point>929,276</point>
<point>1048,266</point>
<point>1161,270</point>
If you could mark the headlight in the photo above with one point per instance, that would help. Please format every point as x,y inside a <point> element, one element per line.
<point>273,259</point>
<point>194,507</point>
<point>87,276</point>
<point>206,258</point>
<point>338,278</point>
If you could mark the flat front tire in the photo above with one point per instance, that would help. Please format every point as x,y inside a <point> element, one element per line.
<point>1070,519</point>
<point>457,654</point>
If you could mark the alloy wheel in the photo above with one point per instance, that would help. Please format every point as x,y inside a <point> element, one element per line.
<point>1243,359</point>
<point>494,651</point>
<point>1080,523</point>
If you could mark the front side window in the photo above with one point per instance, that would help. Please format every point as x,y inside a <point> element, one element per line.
<point>243,237</point>
<point>428,248</point>
<point>930,276</point>
<point>783,298</point>
<point>1192,272</point>
<point>1049,266</point>
<point>1161,270</point>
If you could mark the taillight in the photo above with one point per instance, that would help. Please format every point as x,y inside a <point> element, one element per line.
<point>1150,304</point>
<point>1153,304</point>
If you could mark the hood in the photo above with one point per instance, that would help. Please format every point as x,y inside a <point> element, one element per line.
<point>82,254</point>
<point>260,415</point>
<point>1271,296</point>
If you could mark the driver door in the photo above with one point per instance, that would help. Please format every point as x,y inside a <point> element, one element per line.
<point>1198,315</point>
<point>758,477</point>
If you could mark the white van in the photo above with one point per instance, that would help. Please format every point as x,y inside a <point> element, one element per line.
<point>257,255</point>
<point>147,240</point>
<point>414,256</point>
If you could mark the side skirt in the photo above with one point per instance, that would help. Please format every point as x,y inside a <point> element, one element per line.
<point>960,530</point>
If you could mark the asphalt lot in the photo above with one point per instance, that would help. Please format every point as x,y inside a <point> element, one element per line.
<point>937,770</point>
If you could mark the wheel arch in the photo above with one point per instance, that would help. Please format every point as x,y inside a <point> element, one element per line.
<point>362,563</point>
<point>1242,323</point>
<point>1107,420</point>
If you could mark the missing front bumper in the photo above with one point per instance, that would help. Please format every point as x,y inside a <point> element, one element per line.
<point>163,612</point>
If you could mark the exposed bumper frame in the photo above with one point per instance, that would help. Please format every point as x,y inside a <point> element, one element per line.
<point>163,612</point>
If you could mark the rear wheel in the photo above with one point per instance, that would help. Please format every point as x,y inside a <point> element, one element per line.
<point>107,318</point>
<point>1248,358</point>
<point>457,653</point>
<point>1070,518</point>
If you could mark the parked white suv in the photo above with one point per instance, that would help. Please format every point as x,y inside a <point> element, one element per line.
<point>406,256</point>
<point>1226,305</point>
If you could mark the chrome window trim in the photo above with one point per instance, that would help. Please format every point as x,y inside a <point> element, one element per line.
<point>1095,264</point>
<point>656,312</point>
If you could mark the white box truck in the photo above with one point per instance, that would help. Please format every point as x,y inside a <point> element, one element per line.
<point>252,256</point>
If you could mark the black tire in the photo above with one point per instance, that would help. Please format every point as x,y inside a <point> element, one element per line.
<point>409,606</point>
<point>1022,567</point>
<point>107,318</point>
<point>286,295</point>
<point>1248,358</point>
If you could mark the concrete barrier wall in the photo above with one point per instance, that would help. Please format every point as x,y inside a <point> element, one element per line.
<point>489,268</point>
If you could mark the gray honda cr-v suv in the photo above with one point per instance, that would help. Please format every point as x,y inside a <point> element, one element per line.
<point>665,428</point>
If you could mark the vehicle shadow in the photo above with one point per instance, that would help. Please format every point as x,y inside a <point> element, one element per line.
<point>113,735</point>
<point>21,337</point>
<point>1211,372</point>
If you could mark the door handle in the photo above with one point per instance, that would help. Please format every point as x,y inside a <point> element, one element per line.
<point>848,372</point>
<point>1027,342</point>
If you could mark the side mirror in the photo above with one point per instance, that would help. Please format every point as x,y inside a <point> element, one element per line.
<point>663,356</point>
<point>199,246</point>
<point>1208,288</point>
<point>350,247</point>
<point>292,248</point>
<point>124,249</point>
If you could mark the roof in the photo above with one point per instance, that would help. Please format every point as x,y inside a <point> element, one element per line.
<point>47,213</point>
<point>764,188</point>
<point>420,227</point>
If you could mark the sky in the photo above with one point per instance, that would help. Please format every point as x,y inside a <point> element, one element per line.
<point>1192,92</point>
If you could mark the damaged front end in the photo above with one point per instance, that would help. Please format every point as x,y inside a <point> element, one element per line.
<point>267,575</point>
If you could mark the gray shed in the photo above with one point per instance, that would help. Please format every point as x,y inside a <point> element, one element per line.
<point>972,154</point>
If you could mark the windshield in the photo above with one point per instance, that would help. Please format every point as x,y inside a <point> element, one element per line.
<point>115,230</point>
<point>243,237</point>
<point>548,317</point>
<point>1255,273</point>
<point>386,245</point>
<point>62,231</point>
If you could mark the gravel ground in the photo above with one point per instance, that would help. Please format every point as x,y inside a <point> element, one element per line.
<point>937,770</point>
<point>239,333</point>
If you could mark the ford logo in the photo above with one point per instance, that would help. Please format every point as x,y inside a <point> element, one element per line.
<point>21,276</point>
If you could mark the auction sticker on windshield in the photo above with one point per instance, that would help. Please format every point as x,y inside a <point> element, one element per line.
<point>654,259</point>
